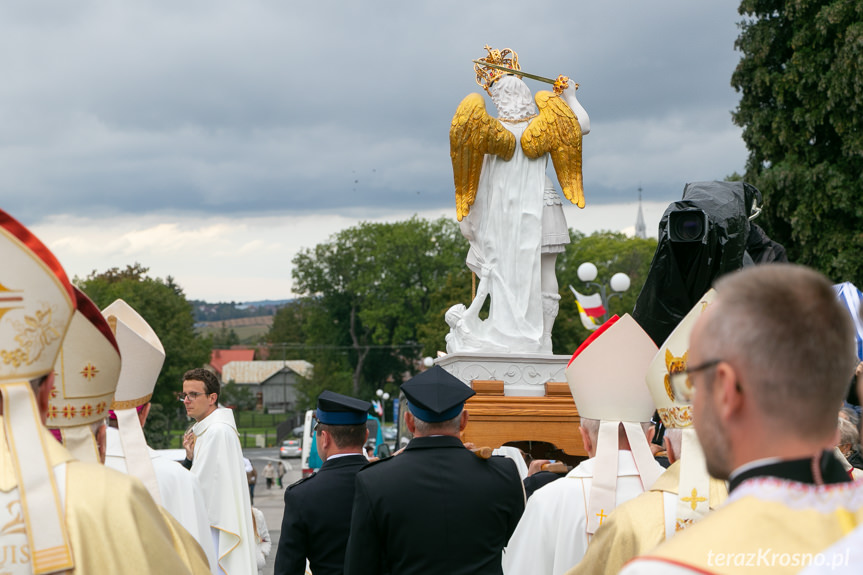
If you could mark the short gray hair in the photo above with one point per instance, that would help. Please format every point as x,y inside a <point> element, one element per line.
<point>592,428</point>
<point>848,433</point>
<point>439,428</point>
<point>783,330</point>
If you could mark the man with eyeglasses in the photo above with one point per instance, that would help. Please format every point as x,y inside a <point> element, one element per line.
<point>214,455</point>
<point>775,348</point>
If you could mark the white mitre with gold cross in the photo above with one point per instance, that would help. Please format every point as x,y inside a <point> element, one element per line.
<point>606,376</point>
<point>86,375</point>
<point>36,306</point>
<point>676,412</point>
<point>143,357</point>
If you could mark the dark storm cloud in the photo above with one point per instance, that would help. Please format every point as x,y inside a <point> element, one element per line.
<point>340,107</point>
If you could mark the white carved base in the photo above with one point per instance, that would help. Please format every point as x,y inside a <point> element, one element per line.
<point>522,375</point>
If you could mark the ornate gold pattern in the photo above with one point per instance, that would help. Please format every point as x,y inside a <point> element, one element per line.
<point>130,403</point>
<point>89,371</point>
<point>682,524</point>
<point>673,365</point>
<point>676,416</point>
<point>561,84</point>
<point>486,76</point>
<point>519,120</point>
<point>556,131</point>
<point>16,357</point>
<point>35,334</point>
<point>70,411</point>
<point>6,298</point>
<point>16,525</point>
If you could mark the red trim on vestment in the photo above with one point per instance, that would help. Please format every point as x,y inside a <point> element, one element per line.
<point>33,243</point>
<point>599,331</point>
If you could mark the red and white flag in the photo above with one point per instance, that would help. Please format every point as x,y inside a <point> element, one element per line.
<point>590,309</point>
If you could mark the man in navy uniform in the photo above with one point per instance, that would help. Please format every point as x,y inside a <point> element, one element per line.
<point>317,516</point>
<point>436,507</point>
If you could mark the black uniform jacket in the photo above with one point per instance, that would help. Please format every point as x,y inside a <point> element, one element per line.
<point>317,519</point>
<point>435,508</point>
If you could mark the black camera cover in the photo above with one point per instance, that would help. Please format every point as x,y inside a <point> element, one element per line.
<point>683,270</point>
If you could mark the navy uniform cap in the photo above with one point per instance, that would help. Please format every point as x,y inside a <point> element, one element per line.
<point>436,395</point>
<point>337,409</point>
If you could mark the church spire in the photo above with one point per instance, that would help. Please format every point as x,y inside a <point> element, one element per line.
<point>640,228</point>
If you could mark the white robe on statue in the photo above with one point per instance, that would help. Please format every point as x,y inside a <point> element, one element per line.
<point>180,491</point>
<point>504,228</point>
<point>551,536</point>
<point>218,465</point>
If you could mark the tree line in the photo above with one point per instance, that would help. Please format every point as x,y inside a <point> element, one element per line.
<point>372,297</point>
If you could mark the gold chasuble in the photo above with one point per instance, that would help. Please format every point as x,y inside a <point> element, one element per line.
<point>112,522</point>
<point>638,525</point>
<point>769,525</point>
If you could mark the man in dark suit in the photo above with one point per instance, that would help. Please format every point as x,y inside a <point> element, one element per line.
<point>436,507</point>
<point>317,515</point>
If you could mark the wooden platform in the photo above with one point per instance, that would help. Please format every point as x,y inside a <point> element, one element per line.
<point>496,419</point>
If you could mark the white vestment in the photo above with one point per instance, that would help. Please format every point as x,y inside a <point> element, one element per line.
<point>843,558</point>
<point>180,491</point>
<point>504,228</point>
<point>218,465</point>
<point>551,536</point>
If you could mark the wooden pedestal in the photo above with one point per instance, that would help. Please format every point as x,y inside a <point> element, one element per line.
<point>495,419</point>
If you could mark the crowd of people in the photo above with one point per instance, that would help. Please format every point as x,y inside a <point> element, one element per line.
<point>750,387</point>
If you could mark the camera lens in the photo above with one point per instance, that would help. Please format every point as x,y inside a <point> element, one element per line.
<point>686,226</point>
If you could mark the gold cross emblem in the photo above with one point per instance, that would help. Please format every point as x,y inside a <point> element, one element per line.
<point>694,499</point>
<point>601,515</point>
<point>89,371</point>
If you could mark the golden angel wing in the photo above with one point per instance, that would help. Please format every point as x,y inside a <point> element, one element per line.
<point>474,134</point>
<point>556,131</point>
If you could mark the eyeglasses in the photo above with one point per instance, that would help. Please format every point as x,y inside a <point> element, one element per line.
<point>682,385</point>
<point>191,396</point>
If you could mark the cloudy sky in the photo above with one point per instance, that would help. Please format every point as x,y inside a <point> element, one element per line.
<point>210,139</point>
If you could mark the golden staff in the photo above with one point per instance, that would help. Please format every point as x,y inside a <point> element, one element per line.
<point>560,84</point>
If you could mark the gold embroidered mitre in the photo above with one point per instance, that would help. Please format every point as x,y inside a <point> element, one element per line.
<point>675,410</point>
<point>606,376</point>
<point>86,371</point>
<point>143,356</point>
<point>36,305</point>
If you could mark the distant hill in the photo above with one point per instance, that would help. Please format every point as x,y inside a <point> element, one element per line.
<point>222,311</point>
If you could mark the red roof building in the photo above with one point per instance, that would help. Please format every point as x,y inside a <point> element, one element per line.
<point>220,357</point>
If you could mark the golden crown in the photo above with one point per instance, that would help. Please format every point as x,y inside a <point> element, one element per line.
<point>486,76</point>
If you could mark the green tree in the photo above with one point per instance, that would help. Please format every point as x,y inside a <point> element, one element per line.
<point>288,332</point>
<point>238,397</point>
<point>369,289</point>
<point>611,253</point>
<point>163,305</point>
<point>801,109</point>
<point>157,429</point>
<point>224,338</point>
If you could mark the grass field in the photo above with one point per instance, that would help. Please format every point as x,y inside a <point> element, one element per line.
<point>248,329</point>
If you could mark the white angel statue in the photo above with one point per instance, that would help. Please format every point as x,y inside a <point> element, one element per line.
<point>508,209</point>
